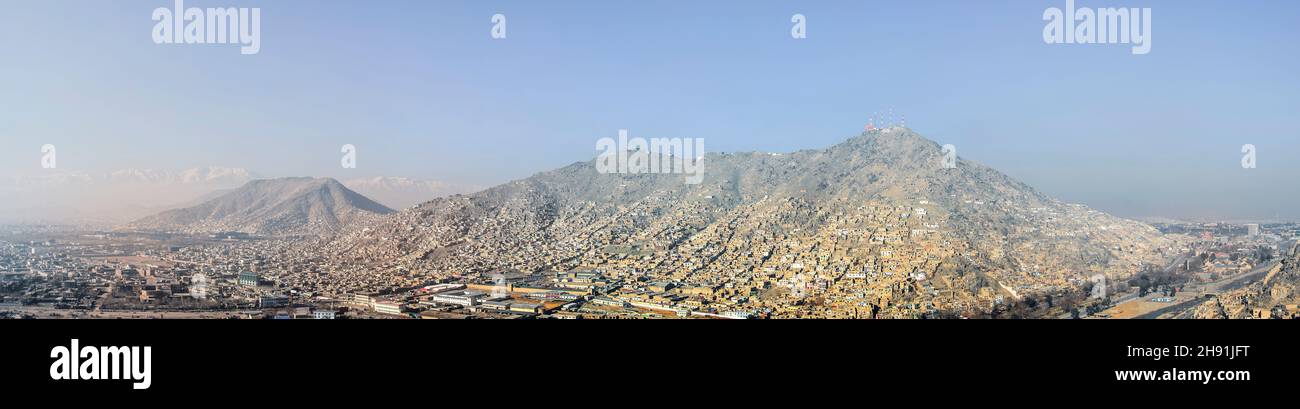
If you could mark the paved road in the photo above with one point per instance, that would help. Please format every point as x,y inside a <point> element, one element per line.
<point>1133,295</point>
<point>1223,284</point>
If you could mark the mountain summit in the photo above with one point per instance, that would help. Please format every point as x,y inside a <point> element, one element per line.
<point>288,206</point>
<point>109,197</point>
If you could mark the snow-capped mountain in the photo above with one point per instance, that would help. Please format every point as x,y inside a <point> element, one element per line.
<point>211,175</point>
<point>62,196</point>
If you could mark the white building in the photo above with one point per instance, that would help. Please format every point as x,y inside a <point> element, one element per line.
<point>461,298</point>
<point>388,307</point>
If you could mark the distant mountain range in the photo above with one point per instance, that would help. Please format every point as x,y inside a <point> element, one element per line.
<point>71,197</point>
<point>212,175</point>
<point>287,206</point>
<point>119,196</point>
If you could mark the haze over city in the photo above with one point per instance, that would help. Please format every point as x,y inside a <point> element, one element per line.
<point>423,91</point>
<point>178,176</point>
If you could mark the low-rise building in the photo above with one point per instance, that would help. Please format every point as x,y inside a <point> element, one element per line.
<point>248,279</point>
<point>272,301</point>
<point>388,307</point>
<point>495,305</point>
<point>525,307</point>
<point>461,298</point>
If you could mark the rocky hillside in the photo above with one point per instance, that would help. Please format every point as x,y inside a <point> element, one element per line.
<point>878,202</point>
<point>1276,296</point>
<point>289,206</point>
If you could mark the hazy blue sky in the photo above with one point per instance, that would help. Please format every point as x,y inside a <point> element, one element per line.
<point>423,91</point>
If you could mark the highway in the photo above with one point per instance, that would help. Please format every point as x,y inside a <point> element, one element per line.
<point>1223,284</point>
<point>1133,295</point>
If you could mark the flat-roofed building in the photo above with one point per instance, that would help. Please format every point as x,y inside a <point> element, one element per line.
<point>699,290</point>
<point>525,307</point>
<point>661,286</point>
<point>609,301</point>
<point>248,279</point>
<point>362,300</point>
<point>437,288</point>
<point>459,297</point>
<point>495,305</point>
<point>388,307</point>
<point>272,301</point>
